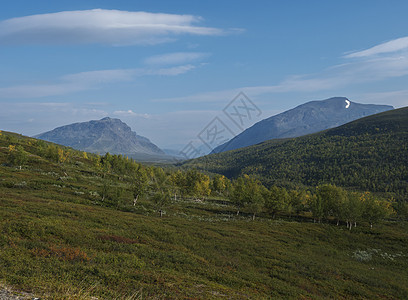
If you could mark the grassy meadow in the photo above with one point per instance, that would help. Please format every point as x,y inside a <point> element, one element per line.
<point>60,240</point>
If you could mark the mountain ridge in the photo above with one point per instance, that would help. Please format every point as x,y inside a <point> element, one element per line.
<point>307,118</point>
<point>101,136</point>
<point>357,155</point>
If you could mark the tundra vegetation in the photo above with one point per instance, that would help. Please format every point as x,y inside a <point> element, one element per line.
<point>79,225</point>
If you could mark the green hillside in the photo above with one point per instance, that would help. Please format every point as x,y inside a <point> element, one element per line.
<point>69,229</point>
<point>366,154</point>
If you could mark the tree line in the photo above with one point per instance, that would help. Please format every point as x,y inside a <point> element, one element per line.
<point>376,162</point>
<point>326,202</point>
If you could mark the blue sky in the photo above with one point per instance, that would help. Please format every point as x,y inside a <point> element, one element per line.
<point>167,68</point>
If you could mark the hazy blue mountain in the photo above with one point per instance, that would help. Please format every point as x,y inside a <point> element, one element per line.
<point>178,153</point>
<point>304,119</point>
<point>101,136</point>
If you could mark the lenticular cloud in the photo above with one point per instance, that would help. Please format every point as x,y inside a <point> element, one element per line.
<point>98,26</point>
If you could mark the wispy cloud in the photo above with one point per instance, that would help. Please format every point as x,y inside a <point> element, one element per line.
<point>399,98</point>
<point>130,113</point>
<point>103,76</point>
<point>41,90</point>
<point>168,128</point>
<point>175,58</point>
<point>363,68</point>
<point>100,26</point>
<point>83,81</point>
<point>387,47</point>
<point>175,70</point>
<point>33,118</point>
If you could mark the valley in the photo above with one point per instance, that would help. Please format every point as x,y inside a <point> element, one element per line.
<point>203,150</point>
<point>71,228</point>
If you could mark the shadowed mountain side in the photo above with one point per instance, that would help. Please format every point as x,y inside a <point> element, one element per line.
<point>101,136</point>
<point>304,119</point>
<point>366,154</point>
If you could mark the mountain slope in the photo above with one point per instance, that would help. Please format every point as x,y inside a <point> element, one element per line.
<point>69,230</point>
<point>304,119</point>
<point>105,135</point>
<point>367,154</point>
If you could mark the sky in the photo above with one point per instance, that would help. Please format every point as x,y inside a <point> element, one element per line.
<point>169,69</point>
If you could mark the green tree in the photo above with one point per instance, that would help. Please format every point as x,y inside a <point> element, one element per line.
<point>52,153</point>
<point>106,163</point>
<point>62,155</point>
<point>298,199</point>
<point>140,184</point>
<point>219,184</point>
<point>239,194</point>
<point>332,199</point>
<point>316,205</point>
<point>401,208</point>
<point>197,184</point>
<point>256,202</point>
<point>17,155</point>
<point>352,209</point>
<point>178,181</point>
<point>374,210</point>
<point>201,187</point>
<point>158,174</point>
<point>276,200</point>
<point>105,190</point>
<point>247,194</point>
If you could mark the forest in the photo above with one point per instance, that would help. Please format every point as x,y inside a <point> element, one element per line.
<point>369,154</point>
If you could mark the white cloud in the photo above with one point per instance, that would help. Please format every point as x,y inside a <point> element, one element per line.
<point>102,76</point>
<point>206,97</point>
<point>32,118</point>
<point>41,90</point>
<point>77,82</point>
<point>100,26</point>
<point>292,84</point>
<point>387,47</point>
<point>352,72</point>
<point>175,58</point>
<point>174,71</point>
<point>130,113</point>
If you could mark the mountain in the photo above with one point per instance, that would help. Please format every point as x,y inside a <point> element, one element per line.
<point>178,152</point>
<point>101,136</point>
<point>366,154</point>
<point>311,117</point>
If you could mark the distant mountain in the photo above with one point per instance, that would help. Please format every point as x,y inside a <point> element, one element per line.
<point>304,119</point>
<point>178,153</point>
<point>172,152</point>
<point>101,136</point>
<point>367,154</point>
